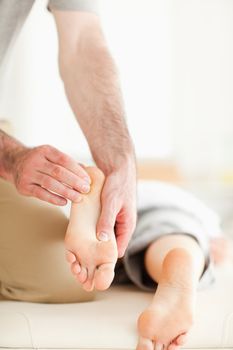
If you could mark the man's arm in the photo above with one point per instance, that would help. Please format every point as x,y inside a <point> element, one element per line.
<point>92,87</point>
<point>42,172</point>
<point>9,147</point>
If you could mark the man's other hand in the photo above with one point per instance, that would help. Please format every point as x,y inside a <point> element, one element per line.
<point>118,214</point>
<point>50,175</point>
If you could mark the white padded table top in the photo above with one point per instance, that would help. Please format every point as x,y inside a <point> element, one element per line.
<point>110,321</point>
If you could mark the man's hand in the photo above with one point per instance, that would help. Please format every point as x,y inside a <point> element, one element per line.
<point>46,173</point>
<point>92,87</point>
<point>118,208</point>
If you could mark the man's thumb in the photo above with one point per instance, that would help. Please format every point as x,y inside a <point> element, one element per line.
<point>105,224</point>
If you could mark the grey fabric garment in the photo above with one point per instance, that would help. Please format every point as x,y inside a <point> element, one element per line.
<point>70,5</point>
<point>13,14</point>
<point>152,224</point>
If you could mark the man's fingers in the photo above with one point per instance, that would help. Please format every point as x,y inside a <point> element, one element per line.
<point>123,238</point>
<point>52,185</point>
<point>66,177</point>
<point>48,174</point>
<point>43,194</point>
<point>125,226</point>
<point>57,157</point>
<point>106,223</point>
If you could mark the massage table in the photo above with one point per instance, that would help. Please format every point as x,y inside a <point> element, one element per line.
<point>109,322</point>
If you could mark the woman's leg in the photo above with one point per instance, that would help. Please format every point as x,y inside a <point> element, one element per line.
<point>175,263</point>
<point>32,253</point>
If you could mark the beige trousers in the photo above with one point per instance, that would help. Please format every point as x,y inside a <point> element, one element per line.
<point>32,255</point>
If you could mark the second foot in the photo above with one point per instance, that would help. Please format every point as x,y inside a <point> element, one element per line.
<point>92,261</point>
<point>165,324</point>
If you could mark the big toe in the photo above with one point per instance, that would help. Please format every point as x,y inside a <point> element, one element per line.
<point>104,275</point>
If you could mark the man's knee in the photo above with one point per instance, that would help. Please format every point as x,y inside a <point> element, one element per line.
<point>32,263</point>
<point>61,293</point>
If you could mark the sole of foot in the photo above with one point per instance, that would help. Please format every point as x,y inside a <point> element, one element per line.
<point>92,261</point>
<point>166,322</point>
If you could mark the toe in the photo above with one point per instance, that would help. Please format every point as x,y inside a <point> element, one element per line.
<point>70,257</point>
<point>181,339</point>
<point>89,284</point>
<point>144,344</point>
<point>76,268</point>
<point>82,276</point>
<point>103,277</point>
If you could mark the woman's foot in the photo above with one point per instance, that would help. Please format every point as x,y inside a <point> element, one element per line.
<point>92,261</point>
<point>167,321</point>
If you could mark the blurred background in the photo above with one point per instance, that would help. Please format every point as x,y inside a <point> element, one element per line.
<point>175,60</point>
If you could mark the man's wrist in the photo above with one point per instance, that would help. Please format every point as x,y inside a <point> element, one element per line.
<point>9,148</point>
<point>116,161</point>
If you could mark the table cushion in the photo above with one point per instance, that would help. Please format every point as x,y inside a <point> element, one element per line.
<point>110,321</point>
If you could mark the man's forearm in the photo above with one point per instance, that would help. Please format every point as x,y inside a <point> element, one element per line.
<point>93,90</point>
<point>8,149</point>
